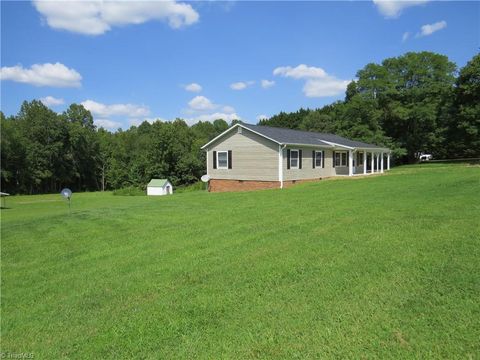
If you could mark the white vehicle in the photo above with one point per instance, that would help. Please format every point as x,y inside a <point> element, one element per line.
<point>425,157</point>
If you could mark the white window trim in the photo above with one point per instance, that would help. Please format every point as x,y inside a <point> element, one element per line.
<point>218,163</point>
<point>321,158</point>
<point>340,155</point>
<point>298,159</point>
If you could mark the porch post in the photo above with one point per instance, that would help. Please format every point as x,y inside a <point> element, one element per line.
<point>350,163</point>
<point>378,163</point>
<point>388,161</point>
<point>280,165</point>
<point>372,162</point>
<point>364,162</point>
<point>381,163</point>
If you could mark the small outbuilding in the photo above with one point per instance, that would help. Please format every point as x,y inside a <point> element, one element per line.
<point>159,187</point>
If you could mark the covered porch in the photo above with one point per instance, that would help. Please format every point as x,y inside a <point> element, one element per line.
<point>357,161</point>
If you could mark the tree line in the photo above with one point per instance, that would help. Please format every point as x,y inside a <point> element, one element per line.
<point>417,102</point>
<point>43,151</point>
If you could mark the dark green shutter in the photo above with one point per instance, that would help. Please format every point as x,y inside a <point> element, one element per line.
<point>214,159</point>
<point>288,158</point>
<point>229,159</point>
<point>323,158</point>
<point>333,159</point>
<point>313,159</point>
<point>299,159</point>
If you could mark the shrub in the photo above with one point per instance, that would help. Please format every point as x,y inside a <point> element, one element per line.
<point>129,191</point>
<point>198,186</point>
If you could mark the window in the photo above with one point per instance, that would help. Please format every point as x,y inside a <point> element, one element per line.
<point>359,158</point>
<point>340,158</point>
<point>294,159</point>
<point>318,159</point>
<point>222,159</point>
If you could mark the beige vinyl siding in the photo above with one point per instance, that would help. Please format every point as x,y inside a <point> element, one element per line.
<point>253,157</point>
<point>307,172</point>
<point>341,170</point>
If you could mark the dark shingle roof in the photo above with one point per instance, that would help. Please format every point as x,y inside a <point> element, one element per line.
<point>289,136</point>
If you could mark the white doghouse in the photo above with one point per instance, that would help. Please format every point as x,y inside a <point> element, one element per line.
<point>159,187</point>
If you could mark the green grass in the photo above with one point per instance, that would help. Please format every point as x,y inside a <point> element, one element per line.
<point>377,267</point>
<point>130,191</point>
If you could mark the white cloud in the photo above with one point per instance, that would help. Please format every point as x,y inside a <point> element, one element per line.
<point>103,110</point>
<point>405,36</point>
<point>151,120</point>
<point>193,87</point>
<point>329,86</point>
<point>262,117</point>
<point>55,75</point>
<point>302,71</point>
<point>241,85</point>
<point>107,124</point>
<point>201,103</point>
<point>394,8</point>
<point>267,83</point>
<point>318,82</point>
<point>228,109</point>
<point>201,108</point>
<point>213,116</point>
<point>52,101</point>
<point>429,29</point>
<point>97,17</point>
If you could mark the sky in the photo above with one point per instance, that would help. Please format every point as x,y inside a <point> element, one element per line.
<point>132,61</point>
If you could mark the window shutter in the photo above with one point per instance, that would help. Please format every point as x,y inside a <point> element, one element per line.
<point>288,158</point>
<point>323,158</point>
<point>299,159</point>
<point>313,159</point>
<point>333,159</point>
<point>229,159</point>
<point>214,159</point>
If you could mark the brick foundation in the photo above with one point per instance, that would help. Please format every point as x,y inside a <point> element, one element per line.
<point>219,185</point>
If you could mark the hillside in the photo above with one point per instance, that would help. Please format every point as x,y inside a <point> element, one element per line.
<point>376,267</point>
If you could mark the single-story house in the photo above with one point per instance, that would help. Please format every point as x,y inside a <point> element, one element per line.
<point>159,187</point>
<point>248,157</point>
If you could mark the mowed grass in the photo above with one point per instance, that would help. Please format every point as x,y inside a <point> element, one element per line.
<point>376,267</point>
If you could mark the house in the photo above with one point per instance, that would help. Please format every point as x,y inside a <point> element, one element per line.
<point>159,187</point>
<point>248,157</point>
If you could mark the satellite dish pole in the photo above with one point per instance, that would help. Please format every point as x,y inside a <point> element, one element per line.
<point>67,194</point>
<point>205,178</point>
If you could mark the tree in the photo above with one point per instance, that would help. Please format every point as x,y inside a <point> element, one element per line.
<point>351,91</point>
<point>45,135</point>
<point>82,148</point>
<point>465,120</point>
<point>412,91</point>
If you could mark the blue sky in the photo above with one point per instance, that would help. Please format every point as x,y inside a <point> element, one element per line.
<point>131,61</point>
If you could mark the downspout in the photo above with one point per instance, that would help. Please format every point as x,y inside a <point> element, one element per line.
<point>280,164</point>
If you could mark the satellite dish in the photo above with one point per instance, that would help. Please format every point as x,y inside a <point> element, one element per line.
<point>205,178</point>
<point>66,193</point>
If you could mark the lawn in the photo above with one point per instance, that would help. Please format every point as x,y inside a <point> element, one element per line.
<point>377,267</point>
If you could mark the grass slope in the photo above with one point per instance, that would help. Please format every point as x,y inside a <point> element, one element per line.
<point>379,267</point>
